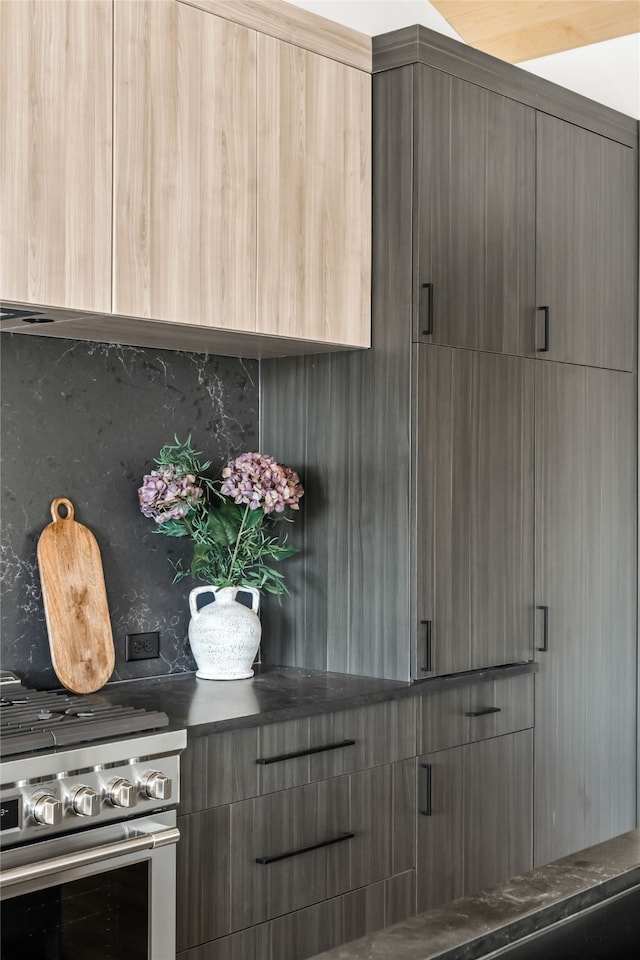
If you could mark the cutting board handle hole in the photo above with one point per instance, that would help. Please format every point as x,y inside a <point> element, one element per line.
<point>62,509</point>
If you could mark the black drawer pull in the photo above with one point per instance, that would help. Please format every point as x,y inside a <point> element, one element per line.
<point>428,327</point>
<point>428,649</point>
<point>314,846</point>
<point>545,349</point>
<point>545,629</point>
<point>483,712</point>
<point>428,808</point>
<point>305,753</point>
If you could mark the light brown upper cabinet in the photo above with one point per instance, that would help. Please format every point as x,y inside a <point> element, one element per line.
<point>55,153</point>
<point>314,196</point>
<point>185,166</point>
<point>175,178</point>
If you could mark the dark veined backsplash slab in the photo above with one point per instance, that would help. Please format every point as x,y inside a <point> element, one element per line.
<point>84,421</point>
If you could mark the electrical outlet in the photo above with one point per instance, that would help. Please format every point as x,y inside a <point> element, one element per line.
<point>142,646</point>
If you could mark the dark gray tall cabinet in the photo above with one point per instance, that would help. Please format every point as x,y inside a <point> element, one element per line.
<point>471,480</point>
<point>585,734</point>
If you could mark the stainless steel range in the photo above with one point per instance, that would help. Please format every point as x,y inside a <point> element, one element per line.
<point>88,793</point>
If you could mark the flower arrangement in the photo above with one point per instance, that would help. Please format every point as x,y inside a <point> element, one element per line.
<point>231,521</point>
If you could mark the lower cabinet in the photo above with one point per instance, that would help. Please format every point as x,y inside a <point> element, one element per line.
<point>267,858</point>
<point>302,835</point>
<point>474,817</point>
<point>320,927</point>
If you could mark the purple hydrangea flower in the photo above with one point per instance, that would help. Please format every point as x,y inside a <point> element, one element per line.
<point>258,481</point>
<point>167,494</point>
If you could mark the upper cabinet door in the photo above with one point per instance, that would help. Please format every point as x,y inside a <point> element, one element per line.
<point>314,196</point>
<point>474,230</point>
<point>55,153</point>
<point>587,254</point>
<point>185,165</point>
<point>474,507</point>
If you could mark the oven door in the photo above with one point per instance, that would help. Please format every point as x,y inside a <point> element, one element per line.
<point>107,893</point>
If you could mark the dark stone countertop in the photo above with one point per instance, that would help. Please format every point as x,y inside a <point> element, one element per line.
<point>275,694</point>
<point>474,927</point>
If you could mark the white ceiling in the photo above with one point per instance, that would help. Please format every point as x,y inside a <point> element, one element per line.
<point>608,72</point>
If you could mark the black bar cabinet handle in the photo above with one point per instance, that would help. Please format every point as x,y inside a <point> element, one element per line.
<point>314,846</point>
<point>429,327</point>
<point>305,753</point>
<point>545,629</point>
<point>428,647</point>
<point>545,348</point>
<point>428,807</point>
<point>483,712</point>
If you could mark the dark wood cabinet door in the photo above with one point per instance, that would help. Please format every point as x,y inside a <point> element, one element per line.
<point>474,817</point>
<point>585,691</point>
<point>587,251</point>
<point>474,506</point>
<point>474,231</point>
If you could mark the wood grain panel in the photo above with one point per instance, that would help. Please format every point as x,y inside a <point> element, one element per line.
<point>444,721</point>
<point>400,897</point>
<point>418,44</point>
<point>474,491</point>
<point>403,816</point>
<point>166,336</point>
<point>218,769</point>
<point>321,926</point>
<point>587,245</point>
<point>295,25</point>
<point>308,932</point>
<point>585,761</point>
<point>185,166</point>
<point>372,815</point>
<point>314,196</point>
<point>345,422</point>
<point>382,733</point>
<point>203,877</point>
<point>498,828</point>
<point>474,233</point>
<point>516,31</point>
<point>280,823</point>
<point>254,943</point>
<point>479,831</point>
<point>364,911</point>
<point>55,153</point>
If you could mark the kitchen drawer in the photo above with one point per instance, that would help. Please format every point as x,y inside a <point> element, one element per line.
<point>334,744</point>
<point>218,769</point>
<point>227,767</point>
<point>312,930</point>
<point>248,862</point>
<point>308,844</point>
<point>449,718</point>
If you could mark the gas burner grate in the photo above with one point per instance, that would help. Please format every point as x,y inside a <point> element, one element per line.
<point>32,720</point>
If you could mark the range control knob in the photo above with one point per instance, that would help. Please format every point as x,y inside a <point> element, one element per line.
<point>46,809</point>
<point>85,802</point>
<point>121,793</point>
<point>156,785</point>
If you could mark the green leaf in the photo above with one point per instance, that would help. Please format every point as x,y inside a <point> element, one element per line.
<point>172,528</point>
<point>219,528</point>
<point>254,519</point>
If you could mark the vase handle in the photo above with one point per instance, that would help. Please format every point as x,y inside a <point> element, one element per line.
<point>197,592</point>
<point>255,596</point>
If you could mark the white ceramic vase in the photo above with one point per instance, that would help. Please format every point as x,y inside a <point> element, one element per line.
<point>224,634</point>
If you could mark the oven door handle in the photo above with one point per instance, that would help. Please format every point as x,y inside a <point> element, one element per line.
<point>107,851</point>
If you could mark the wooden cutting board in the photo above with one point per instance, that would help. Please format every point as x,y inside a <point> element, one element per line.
<point>75,602</point>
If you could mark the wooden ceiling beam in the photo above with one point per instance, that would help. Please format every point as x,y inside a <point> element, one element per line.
<point>517,30</point>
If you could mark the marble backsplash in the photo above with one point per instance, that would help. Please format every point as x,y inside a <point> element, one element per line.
<point>84,421</point>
